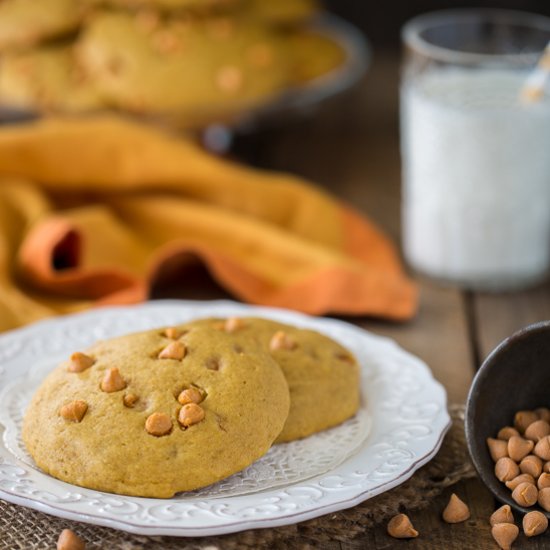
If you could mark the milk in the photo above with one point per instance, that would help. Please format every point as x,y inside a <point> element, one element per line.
<point>476,178</point>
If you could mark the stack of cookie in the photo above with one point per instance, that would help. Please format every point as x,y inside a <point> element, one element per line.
<point>174,409</point>
<point>194,60</point>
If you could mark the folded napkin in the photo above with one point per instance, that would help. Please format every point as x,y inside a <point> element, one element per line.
<point>92,210</point>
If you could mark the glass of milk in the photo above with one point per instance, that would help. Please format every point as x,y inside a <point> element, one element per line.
<point>476,158</point>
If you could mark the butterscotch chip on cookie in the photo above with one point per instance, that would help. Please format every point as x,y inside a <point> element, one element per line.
<point>322,375</point>
<point>133,423</point>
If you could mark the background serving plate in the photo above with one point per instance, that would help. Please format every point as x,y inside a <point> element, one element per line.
<point>400,426</point>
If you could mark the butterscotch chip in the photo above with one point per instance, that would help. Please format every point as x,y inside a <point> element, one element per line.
<point>260,55</point>
<point>523,419</point>
<point>544,498</point>
<point>281,340</point>
<point>173,333</point>
<point>542,448</point>
<point>158,424</point>
<point>130,399</point>
<point>506,469</point>
<point>502,515</point>
<point>506,433</point>
<point>522,478</point>
<point>69,540</point>
<point>74,411</point>
<point>534,523</point>
<point>546,467</point>
<point>190,395</point>
<point>537,430</point>
<point>190,414</point>
<point>112,381</point>
<point>505,534</point>
<point>400,527</point>
<point>147,20</point>
<point>80,362</point>
<point>543,481</point>
<point>456,510</point>
<point>166,42</point>
<point>531,464</point>
<point>229,79</point>
<point>175,350</point>
<point>518,447</point>
<point>497,448</point>
<point>543,413</point>
<point>233,324</point>
<point>525,494</point>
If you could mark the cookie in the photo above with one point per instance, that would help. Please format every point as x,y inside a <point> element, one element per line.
<point>45,79</point>
<point>213,66</point>
<point>28,22</point>
<point>193,6</point>
<point>322,375</point>
<point>314,54</point>
<point>157,412</point>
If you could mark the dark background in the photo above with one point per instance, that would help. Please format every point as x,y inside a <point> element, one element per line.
<point>381,20</point>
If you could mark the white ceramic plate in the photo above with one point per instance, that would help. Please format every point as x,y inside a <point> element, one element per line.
<point>399,427</point>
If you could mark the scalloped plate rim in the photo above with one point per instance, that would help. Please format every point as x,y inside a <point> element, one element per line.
<point>284,518</point>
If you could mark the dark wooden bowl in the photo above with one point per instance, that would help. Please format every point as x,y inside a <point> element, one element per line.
<point>515,376</point>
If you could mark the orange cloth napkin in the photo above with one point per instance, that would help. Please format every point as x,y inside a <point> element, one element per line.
<point>92,210</point>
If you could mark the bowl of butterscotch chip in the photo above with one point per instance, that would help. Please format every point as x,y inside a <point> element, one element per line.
<point>508,420</point>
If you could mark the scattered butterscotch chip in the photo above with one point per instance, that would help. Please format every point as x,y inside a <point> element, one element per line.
<point>190,414</point>
<point>281,340</point>
<point>190,395</point>
<point>505,534</point>
<point>522,478</point>
<point>112,381</point>
<point>80,362</point>
<point>158,424</point>
<point>173,333</point>
<point>537,430</point>
<point>543,481</point>
<point>531,464</point>
<point>542,448</point>
<point>518,447</point>
<point>523,419</point>
<point>174,350</point>
<point>74,411</point>
<point>525,494</point>
<point>130,399</point>
<point>544,498</point>
<point>69,540</point>
<point>502,515</point>
<point>220,28</point>
<point>166,42</point>
<point>506,433</point>
<point>456,510</point>
<point>400,527</point>
<point>534,523</point>
<point>497,448</point>
<point>233,324</point>
<point>506,469</point>
<point>229,79</point>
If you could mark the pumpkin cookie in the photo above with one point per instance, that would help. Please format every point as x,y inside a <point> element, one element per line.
<point>158,412</point>
<point>322,375</point>
<point>45,78</point>
<point>28,22</point>
<point>149,64</point>
<point>282,12</point>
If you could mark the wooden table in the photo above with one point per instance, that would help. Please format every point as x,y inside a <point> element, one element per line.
<point>351,148</point>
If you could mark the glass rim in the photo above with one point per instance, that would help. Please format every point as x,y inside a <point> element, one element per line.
<point>411,30</point>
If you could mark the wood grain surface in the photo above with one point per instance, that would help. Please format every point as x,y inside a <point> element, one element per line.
<point>351,147</point>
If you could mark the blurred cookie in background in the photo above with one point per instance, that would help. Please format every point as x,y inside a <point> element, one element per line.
<point>147,63</point>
